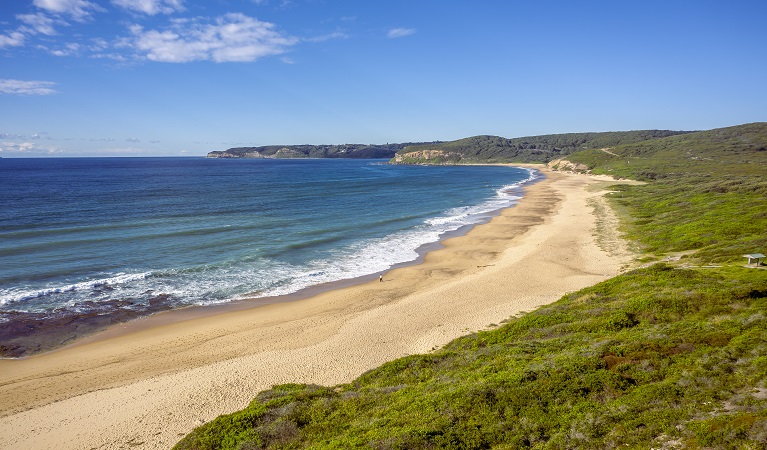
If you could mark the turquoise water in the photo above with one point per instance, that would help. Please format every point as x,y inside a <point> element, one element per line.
<point>78,234</point>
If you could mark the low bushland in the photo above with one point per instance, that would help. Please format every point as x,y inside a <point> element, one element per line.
<point>659,356</point>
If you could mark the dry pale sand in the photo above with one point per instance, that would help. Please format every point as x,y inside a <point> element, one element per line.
<point>146,386</point>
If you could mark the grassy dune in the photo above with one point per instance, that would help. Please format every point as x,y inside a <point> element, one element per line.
<point>706,192</point>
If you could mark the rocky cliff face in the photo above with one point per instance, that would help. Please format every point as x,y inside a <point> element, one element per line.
<point>427,156</point>
<point>568,166</point>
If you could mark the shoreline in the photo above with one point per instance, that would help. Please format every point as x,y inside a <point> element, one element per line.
<point>151,385</point>
<point>26,335</point>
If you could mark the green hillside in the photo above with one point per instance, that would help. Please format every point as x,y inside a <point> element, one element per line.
<point>739,152</point>
<point>534,149</point>
<point>672,355</point>
<point>707,191</point>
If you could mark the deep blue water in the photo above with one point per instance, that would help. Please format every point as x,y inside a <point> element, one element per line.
<point>76,233</point>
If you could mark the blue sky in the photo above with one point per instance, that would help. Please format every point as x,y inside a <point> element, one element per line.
<point>184,77</point>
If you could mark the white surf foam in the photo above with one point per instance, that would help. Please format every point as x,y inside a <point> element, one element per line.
<point>19,295</point>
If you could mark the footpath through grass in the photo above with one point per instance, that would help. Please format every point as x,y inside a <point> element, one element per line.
<point>706,193</point>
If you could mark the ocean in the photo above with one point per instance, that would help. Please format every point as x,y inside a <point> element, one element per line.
<point>102,236</point>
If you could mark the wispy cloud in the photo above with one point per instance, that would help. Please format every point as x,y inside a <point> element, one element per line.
<point>233,37</point>
<point>28,148</point>
<point>328,37</point>
<point>399,32</point>
<point>12,39</point>
<point>230,38</point>
<point>79,10</point>
<point>10,136</point>
<point>70,49</point>
<point>33,24</point>
<point>39,23</point>
<point>35,136</point>
<point>151,7</point>
<point>21,87</point>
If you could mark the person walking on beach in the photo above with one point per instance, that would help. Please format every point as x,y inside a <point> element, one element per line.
<point>380,278</point>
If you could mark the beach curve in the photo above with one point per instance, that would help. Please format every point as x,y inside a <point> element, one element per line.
<point>149,387</point>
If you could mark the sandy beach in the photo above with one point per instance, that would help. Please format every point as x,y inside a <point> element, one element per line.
<point>147,383</point>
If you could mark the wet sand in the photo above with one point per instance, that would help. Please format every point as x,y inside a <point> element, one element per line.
<point>146,384</point>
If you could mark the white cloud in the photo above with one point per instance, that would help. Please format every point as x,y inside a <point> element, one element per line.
<point>100,49</point>
<point>77,9</point>
<point>10,136</point>
<point>20,87</point>
<point>151,7</point>
<point>328,37</point>
<point>28,148</point>
<point>119,58</point>
<point>230,38</point>
<point>33,24</point>
<point>400,32</point>
<point>98,44</point>
<point>40,23</point>
<point>68,50</point>
<point>12,39</point>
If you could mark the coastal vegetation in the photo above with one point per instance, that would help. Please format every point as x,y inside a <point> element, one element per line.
<point>706,196</point>
<point>669,355</point>
<point>532,149</point>
<point>639,360</point>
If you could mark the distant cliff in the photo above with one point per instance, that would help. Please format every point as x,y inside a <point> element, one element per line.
<point>315,151</point>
